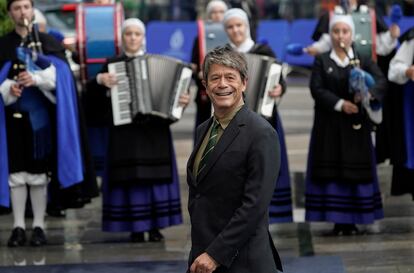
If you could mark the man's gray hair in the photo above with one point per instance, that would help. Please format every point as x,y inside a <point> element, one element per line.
<point>226,56</point>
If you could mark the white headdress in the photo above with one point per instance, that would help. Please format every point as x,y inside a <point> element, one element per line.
<point>340,18</point>
<point>137,23</point>
<point>215,4</point>
<point>240,14</point>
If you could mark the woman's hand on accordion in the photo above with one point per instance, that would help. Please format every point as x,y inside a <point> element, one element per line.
<point>184,99</point>
<point>107,79</point>
<point>276,91</point>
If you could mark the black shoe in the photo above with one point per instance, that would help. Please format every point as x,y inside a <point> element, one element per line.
<point>38,237</point>
<point>56,212</point>
<point>17,238</point>
<point>345,229</point>
<point>137,237</point>
<point>155,236</point>
<point>4,211</point>
<point>350,229</point>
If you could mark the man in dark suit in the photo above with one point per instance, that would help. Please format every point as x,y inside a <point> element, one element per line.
<point>231,176</point>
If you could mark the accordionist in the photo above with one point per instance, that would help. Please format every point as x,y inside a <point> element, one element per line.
<point>140,192</point>
<point>236,24</point>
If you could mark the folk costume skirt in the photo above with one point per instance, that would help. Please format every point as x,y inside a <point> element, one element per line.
<point>340,202</point>
<point>280,209</point>
<point>138,206</point>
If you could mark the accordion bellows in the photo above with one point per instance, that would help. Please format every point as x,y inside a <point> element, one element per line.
<point>263,75</point>
<point>148,85</point>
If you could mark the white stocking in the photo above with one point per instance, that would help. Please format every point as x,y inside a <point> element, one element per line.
<point>38,196</point>
<point>18,200</point>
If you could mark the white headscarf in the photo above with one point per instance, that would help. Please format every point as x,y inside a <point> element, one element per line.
<point>346,19</point>
<point>241,14</point>
<point>139,24</point>
<point>215,4</point>
<point>340,18</point>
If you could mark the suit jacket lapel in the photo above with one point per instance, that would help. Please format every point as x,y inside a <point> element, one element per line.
<point>226,139</point>
<point>199,140</point>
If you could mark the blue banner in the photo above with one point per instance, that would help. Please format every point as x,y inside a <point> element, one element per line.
<point>274,33</point>
<point>174,39</point>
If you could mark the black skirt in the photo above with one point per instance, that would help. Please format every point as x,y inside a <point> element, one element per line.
<point>341,153</point>
<point>140,152</point>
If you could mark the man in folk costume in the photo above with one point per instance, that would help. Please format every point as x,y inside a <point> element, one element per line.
<point>39,124</point>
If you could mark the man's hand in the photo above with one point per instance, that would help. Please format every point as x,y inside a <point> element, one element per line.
<point>410,72</point>
<point>349,108</point>
<point>16,90</point>
<point>276,91</point>
<point>203,264</point>
<point>25,79</point>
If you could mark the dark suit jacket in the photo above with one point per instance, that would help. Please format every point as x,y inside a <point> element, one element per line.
<point>228,202</point>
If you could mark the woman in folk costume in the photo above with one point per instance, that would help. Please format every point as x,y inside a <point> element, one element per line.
<point>141,187</point>
<point>341,183</point>
<point>386,41</point>
<point>236,24</point>
<point>401,72</point>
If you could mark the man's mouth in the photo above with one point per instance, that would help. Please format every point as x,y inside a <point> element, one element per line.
<point>223,94</point>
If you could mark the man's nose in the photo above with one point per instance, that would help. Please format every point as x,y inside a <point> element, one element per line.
<point>222,82</point>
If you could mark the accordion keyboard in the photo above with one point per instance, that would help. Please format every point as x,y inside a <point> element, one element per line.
<point>120,94</point>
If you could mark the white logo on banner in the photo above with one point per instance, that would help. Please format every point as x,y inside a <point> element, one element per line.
<point>177,40</point>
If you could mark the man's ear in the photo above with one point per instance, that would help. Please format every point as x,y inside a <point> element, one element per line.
<point>245,84</point>
<point>204,83</point>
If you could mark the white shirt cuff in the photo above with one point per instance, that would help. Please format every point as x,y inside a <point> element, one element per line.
<point>8,98</point>
<point>385,43</point>
<point>338,105</point>
<point>99,78</point>
<point>323,44</point>
<point>45,80</point>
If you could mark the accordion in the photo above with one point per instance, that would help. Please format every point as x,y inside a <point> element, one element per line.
<point>148,85</point>
<point>263,75</point>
